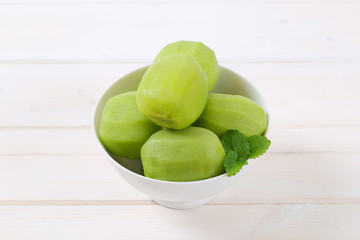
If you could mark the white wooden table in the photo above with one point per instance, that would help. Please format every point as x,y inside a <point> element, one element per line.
<point>57,57</point>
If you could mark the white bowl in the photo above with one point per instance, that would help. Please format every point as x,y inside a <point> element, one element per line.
<point>179,195</point>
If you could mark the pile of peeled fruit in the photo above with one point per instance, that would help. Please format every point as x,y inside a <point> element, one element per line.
<point>175,126</point>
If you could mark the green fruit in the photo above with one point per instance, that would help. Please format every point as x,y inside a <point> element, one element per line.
<point>123,129</point>
<point>224,112</point>
<point>189,154</point>
<point>173,91</point>
<point>203,55</point>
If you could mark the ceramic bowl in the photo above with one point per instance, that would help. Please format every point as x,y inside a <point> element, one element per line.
<point>178,195</point>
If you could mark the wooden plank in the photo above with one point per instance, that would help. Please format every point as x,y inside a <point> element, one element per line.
<point>54,95</point>
<point>270,222</point>
<point>66,164</point>
<point>269,31</point>
<point>81,141</point>
<point>48,141</point>
<point>298,178</point>
<point>271,179</point>
<point>65,94</point>
<point>62,178</point>
<point>303,94</point>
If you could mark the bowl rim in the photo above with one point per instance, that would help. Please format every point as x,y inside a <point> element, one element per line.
<point>152,179</point>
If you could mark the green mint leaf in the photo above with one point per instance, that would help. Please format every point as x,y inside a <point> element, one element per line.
<point>258,145</point>
<point>235,141</point>
<point>238,149</point>
<point>233,163</point>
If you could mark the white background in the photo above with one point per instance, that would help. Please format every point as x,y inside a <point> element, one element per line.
<point>57,57</point>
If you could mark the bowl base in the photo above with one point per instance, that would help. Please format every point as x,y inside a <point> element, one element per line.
<point>183,205</point>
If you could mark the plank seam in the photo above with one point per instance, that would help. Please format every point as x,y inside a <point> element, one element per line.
<point>149,61</point>
<point>35,3</point>
<point>288,126</point>
<point>102,155</point>
<point>150,202</point>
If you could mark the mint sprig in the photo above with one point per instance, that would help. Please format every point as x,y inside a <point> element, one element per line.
<point>239,149</point>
